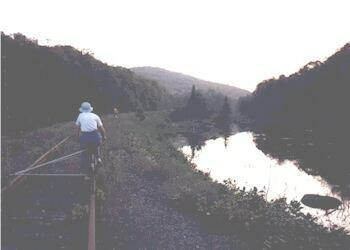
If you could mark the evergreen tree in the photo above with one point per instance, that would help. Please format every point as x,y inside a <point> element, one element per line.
<point>195,109</point>
<point>224,120</point>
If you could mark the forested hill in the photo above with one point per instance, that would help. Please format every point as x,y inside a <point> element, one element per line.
<point>180,84</point>
<point>315,98</point>
<point>45,85</point>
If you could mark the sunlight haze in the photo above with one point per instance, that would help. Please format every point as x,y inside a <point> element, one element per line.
<point>240,43</point>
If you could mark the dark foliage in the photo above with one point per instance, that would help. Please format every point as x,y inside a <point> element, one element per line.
<point>316,97</point>
<point>45,85</point>
<point>196,141</point>
<point>224,120</point>
<point>195,109</point>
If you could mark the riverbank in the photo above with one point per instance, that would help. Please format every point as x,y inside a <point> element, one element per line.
<point>155,199</point>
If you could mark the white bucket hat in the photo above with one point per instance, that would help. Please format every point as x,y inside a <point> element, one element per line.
<point>85,107</point>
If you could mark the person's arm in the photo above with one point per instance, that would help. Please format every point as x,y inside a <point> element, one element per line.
<point>103,132</point>
<point>101,128</point>
<point>78,131</point>
<point>77,123</point>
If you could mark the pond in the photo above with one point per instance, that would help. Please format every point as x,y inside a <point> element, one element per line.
<point>241,161</point>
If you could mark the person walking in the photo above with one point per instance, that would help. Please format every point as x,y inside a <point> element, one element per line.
<point>90,133</point>
<point>116,112</point>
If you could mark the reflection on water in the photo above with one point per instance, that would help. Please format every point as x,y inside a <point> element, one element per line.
<point>315,153</point>
<point>249,167</point>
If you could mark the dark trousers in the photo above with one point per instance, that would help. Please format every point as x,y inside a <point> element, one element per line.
<point>90,141</point>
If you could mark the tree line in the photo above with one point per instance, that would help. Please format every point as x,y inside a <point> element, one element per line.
<point>44,85</point>
<point>316,97</point>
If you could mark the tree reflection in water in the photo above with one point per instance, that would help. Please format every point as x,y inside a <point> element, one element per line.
<point>250,167</point>
<point>196,141</point>
<point>315,155</point>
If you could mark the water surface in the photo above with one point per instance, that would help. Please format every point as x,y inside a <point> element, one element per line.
<point>249,167</point>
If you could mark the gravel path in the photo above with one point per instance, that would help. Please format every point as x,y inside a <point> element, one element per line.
<point>141,219</point>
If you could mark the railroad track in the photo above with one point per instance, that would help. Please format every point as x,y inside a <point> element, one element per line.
<point>36,206</point>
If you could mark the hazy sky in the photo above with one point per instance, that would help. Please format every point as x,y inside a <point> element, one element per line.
<point>234,42</point>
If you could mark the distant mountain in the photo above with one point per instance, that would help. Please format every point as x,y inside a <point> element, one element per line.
<point>44,85</point>
<point>180,84</point>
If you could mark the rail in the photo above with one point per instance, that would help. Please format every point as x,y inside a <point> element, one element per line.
<point>92,226</point>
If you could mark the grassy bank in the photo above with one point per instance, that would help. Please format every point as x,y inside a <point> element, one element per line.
<point>156,199</point>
